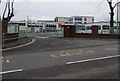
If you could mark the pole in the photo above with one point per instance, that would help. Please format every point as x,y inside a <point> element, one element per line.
<point>117,17</point>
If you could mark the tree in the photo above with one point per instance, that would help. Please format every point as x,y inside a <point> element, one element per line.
<point>8,12</point>
<point>111,14</point>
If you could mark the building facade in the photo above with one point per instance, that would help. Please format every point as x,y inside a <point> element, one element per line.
<point>61,19</point>
<point>75,19</point>
<point>81,19</point>
<point>51,25</point>
<point>22,25</point>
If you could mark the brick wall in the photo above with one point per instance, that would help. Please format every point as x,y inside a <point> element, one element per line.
<point>71,32</point>
<point>4,35</point>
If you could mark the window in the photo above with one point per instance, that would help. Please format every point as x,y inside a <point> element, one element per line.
<point>92,19</point>
<point>71,22</point>
<point>70,19</point>
<point>105,27</point>
<point>99,27</point>
<point>115,27</point>
<point>78,19</point>
<point>85,19</point>
<point>78,22</point>
<point>88,27</point>
<point>21,24</point>
<point>80,27</point>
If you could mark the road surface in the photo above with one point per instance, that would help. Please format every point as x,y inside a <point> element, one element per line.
<point>62,58</point>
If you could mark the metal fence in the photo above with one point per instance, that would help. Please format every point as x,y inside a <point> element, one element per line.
<point>44,33</point>
<point>101,30</point>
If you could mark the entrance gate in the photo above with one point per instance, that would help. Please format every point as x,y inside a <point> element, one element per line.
<point>48,32</point>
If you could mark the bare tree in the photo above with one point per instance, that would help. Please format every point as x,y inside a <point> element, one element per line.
<point>111,14</point>
<point>9,10</point>
<point>0,13</point>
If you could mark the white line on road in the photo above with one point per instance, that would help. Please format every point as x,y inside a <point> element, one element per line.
<point>12,71</point>
<point>95,59</point>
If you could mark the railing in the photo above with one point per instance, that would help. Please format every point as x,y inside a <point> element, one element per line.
<point>116,31</point>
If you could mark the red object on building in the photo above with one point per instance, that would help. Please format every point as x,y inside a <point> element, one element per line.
<point>59,25</point>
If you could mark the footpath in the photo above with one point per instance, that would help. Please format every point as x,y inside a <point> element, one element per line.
<point>20,41</point>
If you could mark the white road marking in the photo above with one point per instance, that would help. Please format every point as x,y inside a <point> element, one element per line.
<point>95,59</point>
<point>12,71</point>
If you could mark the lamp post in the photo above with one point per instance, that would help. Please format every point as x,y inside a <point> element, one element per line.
<point>118,16</point>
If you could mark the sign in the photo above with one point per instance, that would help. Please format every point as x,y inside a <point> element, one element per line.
<point>59,25</point>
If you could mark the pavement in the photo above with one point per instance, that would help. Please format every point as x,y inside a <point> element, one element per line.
<point>20,41</point>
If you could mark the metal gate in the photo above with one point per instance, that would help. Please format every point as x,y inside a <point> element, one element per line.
<point>47,32</point>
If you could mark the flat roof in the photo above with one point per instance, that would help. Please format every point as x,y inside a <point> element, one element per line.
<point>83,16</point>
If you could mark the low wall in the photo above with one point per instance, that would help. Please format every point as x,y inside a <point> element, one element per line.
<point>107,36</point>
<point>10,37</point>
<point>71,32</point>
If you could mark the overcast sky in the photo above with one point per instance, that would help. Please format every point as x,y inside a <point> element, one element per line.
<point>49,9</point>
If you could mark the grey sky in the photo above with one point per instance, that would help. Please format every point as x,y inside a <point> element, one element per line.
<point>43,9</point>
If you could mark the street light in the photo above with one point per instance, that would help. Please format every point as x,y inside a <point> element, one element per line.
<point>118,16</point>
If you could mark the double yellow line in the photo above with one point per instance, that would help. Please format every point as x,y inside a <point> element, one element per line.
<point>33,40</point>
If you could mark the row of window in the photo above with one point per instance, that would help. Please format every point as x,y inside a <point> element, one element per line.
<point>80,19</point>
<point>75,23</point>
<point>104,27</point>
<point>50,25</point>
<point>20,24</point>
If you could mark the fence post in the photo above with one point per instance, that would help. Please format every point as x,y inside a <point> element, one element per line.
<point>94,31</point>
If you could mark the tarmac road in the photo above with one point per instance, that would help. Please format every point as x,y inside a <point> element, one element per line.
<point>49,58</point>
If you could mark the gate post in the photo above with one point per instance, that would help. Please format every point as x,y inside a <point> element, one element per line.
<point>94,30</point>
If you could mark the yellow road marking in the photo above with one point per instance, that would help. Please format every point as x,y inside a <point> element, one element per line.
<point>75,53</point>
<point>54,56</point>
<point>5,60</point>
<point>66,54</point>
<point>33,40</point>
<point>90,51</point>
<point>111,49</point>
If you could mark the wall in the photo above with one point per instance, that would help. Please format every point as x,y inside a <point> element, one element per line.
<point>94,34</point>
<point>5,36</point>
